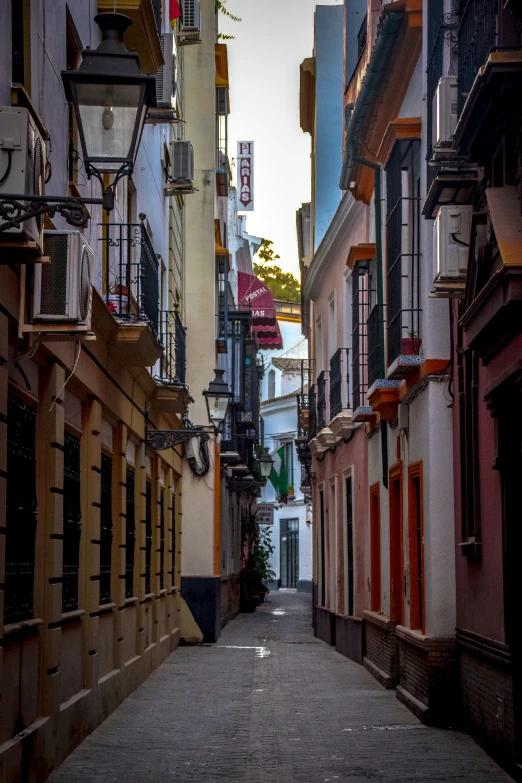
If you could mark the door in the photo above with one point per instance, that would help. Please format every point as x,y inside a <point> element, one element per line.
<point>289,552</point>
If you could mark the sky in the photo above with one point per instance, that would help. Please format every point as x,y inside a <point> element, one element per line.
<point>271,41</point>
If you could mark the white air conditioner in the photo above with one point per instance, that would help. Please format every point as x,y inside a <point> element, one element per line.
<point>166,76</point>
<point>444,112</point>
<point>22,166</point>
<point>191,20</point>
<point>451,238</point>
<point>63,288</point>
<point>182,161</point>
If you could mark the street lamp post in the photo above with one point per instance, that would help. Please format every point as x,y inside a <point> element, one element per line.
<point>218,397</point>
<point>265,464</point>
<point>111,99</point>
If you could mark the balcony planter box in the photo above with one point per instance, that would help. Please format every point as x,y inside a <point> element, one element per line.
<point>410,346</point>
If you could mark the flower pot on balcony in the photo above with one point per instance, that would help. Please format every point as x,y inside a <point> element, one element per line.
<point>410,346</point>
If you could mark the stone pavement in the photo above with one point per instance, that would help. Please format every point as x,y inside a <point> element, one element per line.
<point>270,704</point>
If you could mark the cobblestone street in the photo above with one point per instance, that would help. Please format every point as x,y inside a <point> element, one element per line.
<point>269,703</point>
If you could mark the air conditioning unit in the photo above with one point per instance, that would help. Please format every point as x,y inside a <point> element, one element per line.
<point>166,76</point>
<point>63,288</point>
<point>22,166</point>
<point>182,161</point>
<point>451,238</point>
<point>444,112</point>
<point>190,27</point>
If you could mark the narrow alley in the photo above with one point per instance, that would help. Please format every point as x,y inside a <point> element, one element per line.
<point>269,703</point>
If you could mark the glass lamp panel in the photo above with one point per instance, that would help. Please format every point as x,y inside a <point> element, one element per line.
<point>108,115</point>
<point>266,468</point>
<point>217,408</point>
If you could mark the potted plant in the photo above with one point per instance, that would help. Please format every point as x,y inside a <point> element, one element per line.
<point>411,345</point>
<point>257,550</point>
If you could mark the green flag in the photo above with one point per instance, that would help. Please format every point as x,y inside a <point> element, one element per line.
<point>278,477</point>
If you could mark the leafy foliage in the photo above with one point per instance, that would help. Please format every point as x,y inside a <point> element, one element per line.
<point>220,5</point>
<point>258,548</point>
<point>283,285</point>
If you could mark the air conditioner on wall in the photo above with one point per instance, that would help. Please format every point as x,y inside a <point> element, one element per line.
<point>62,289</point>
<point>182,168</point>
<point>22,166</point>
<point>451,238</point>
<point>190,25</point>
<point>166,76</point>
<point>444,112</point>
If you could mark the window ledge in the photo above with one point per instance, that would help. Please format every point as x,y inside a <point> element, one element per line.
<point>25,626</point>
<point>471,549</point>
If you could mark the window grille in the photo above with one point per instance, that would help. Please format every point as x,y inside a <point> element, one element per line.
<point>173,529</point>
<point>162,540</point>
<point>106,530</point>
<point>321,400</point>
<point>148,536</point>
<point>403,250</point>
<point>434,69</point>
<point>72,522</point>
<point>130,532</point>
<point>360,314</point>
<point>339,382</point>
<point>21,512</point>
<point>349,543</point>
<point>476,37</point>
<point>312,412</point>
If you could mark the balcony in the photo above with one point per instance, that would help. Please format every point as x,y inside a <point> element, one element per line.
<point>477,33</point>
<point>322,381</point>
<point>375,322</point>
<point>312,412</point>
<point>170,372</point>
<point>130,288</point>
<point>339,382</point>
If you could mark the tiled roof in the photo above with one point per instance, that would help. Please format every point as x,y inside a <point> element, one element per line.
<point>287,365</point>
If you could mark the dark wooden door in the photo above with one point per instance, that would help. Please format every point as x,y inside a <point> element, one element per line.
<point>289,552</point>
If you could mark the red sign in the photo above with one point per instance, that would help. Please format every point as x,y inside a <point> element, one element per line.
<point>245,176</point>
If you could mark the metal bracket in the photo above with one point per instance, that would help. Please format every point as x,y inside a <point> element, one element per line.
<point>168,439</point>
<point>15,209</point>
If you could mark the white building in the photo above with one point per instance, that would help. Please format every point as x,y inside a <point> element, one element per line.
<point>282,383</point>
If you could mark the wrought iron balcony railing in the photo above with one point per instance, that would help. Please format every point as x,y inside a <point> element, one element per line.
<point>477,35</point>
<point>321,399</point>
<point>172,336</point>
<point>361,298</point>
<point>312,412</point>
<point>339,382</point>
<point>375,320</point>
<point>130,272</point>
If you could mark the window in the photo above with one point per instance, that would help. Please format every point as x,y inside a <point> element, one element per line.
<point>21,512</point>
<point>403,249</point>
<point>469,446</point>
<point>271,384</point>
<point>319,344</point>
<point>332,326</point>
<point>396,556</point>
<point>73,52</point>
<point>130,532</point>
<point>289,465</point>
<point>349,544</point>
<point>360,313</point>
<point>416,546</point>
<point>72,522</point>
<point>375,547</point>
<point>434,69</point>
<point>332,547</point>
<point>148,536</point>
<point>162,540</point>
<point>173,530</point>
<point>322,564</point>
<point>19,31</point>
<point>222,166</point>
<point>106,530</point>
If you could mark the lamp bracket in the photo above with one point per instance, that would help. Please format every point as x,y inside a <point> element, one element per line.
<point>169,439</point>
<point>16,208</point>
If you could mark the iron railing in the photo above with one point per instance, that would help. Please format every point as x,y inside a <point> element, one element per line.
<point>130,532</point>
<point>362,36</point>
<point>434,67</point>
<point>321,399</point>
<point>477,32</point>
<point>131,272</point>
<point>403,255</point>
<point>312,412</point>
<point>375,321</point>
<point>172,366</point>
<point>339,382</point>
<point>361,293</point>
<point>106,530</point>
<point>21,512</point>
<point>148,537</point>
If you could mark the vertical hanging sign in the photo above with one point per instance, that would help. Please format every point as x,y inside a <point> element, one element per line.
<point>245,176</point>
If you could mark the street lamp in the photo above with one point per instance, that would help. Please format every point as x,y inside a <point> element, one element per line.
<point>218,397</point>
<point>111,99</point>
<point>265,464</point>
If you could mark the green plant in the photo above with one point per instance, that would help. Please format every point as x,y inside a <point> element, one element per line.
<point>283,285</point>
<point>257,548</point>
<point>220,5</point>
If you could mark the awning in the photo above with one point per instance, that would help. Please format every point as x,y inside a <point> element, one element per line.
<point>255,295</point>
<point>504,209</point>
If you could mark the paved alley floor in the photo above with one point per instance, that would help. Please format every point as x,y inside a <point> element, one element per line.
<point>270,704</point>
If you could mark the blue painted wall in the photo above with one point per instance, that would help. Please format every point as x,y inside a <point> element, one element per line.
<point>355,12</point>
<point>329,24</point>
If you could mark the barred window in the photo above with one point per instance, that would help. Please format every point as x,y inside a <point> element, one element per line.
<point>130,532</point>
<point>21,512</point>
<point>162,540</point>
<point>106,530</point>
<point>148,536</point>
<point>173,531</point>
<point>72,522</point>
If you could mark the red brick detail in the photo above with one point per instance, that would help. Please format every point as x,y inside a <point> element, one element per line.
<point>381,655</point>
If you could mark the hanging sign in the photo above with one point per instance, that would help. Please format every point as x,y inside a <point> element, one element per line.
<point>245,176</point>
<point>266,514</point>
